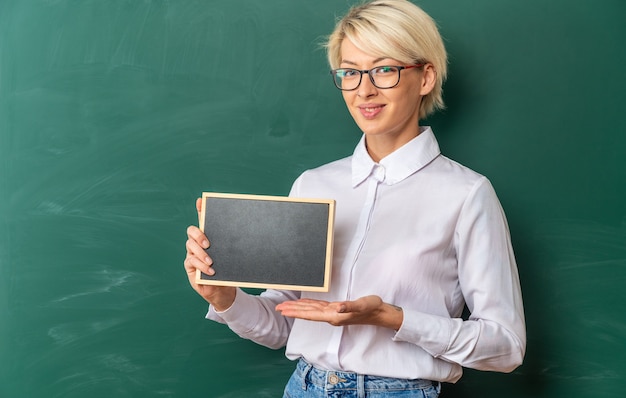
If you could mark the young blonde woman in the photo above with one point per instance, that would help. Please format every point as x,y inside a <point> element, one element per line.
<point>417,237</point>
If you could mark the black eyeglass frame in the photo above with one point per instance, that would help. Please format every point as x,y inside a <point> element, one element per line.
<point>333,72</point>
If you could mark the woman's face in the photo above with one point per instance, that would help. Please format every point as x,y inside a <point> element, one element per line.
<point>387,114</point>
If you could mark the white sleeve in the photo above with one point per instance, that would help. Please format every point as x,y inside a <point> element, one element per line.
<point>494,336</point>
<point>254,318</point>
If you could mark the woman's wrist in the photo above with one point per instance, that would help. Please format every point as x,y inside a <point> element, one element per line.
<point>391,316</point>
<point>222,299</point>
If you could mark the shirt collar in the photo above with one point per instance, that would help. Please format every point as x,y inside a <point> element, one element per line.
<point>399,164</point>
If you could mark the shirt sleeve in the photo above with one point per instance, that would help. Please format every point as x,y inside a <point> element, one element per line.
<point>494,336</point>
<point>253,317</point>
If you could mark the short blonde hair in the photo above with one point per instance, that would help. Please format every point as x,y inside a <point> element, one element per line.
<point>396,29</point>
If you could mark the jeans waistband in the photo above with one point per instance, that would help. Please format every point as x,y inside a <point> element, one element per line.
<point>330,379</point>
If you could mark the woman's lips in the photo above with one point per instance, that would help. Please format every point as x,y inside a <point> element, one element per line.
<point>370,111</point>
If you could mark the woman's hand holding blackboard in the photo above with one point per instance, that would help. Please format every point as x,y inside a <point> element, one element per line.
<point>369,310</point>
<point>220,297</point>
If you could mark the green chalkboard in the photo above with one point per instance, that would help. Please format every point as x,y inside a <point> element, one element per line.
<point>115,115</point>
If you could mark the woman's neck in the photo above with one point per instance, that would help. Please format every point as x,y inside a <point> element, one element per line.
<point>379,147</point>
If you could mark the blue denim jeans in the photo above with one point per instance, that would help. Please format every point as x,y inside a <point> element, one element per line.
<point>310,382</point>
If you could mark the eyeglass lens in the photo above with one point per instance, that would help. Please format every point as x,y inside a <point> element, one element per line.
<point>381,77</point>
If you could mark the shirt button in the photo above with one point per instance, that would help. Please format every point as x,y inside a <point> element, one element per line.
<point>333,379</point>
<point>379,173</point>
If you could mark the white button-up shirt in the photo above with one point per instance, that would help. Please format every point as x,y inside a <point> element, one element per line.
<point>424,233</point>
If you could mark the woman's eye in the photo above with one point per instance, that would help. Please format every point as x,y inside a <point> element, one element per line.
<point>350,73</point>
<point>381,70</point>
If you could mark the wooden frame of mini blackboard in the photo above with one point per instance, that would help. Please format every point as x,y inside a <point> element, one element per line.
<point>268,242</point>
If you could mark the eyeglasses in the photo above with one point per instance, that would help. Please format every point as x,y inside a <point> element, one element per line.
<point>348,79</point>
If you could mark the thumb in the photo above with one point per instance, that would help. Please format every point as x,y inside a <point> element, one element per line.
<point>347,306</point>
<point>199,207</point>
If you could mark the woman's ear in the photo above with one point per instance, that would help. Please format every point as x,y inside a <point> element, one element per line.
<point>429,79</point>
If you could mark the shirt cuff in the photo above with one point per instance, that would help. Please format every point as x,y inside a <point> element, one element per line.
<point>430,332</point>
<point>240,315</point>
<point>216,315</point>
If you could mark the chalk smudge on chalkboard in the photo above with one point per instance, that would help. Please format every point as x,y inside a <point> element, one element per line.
<point>104,289</point>
<point>118,362</point>
<point>70,332</point>
<point>110,279</point>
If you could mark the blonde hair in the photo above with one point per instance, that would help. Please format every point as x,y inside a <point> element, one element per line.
<point>396,29</point>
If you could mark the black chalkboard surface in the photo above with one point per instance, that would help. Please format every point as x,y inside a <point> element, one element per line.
<point>268,241</point>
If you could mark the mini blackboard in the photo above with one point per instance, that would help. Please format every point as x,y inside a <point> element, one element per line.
<point>266,242</point>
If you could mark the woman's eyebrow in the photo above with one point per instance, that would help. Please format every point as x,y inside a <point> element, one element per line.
<point>377,60</point>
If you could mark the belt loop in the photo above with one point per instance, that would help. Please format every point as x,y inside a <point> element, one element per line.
<point>360,385</point>
<point>305,373</point>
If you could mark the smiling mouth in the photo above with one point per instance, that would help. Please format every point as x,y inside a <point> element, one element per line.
<point>370,112</point>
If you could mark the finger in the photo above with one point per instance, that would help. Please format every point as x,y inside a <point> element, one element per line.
<point>309,301</point>
<point>361,305</point>
<point>303,303</point>
<point>199,206</point>
<point>197,235</point>
<point>306,309</point>
<point>195,250</point>
<point>193,263</point>
<point>350,306</point>
<point>295,308</point>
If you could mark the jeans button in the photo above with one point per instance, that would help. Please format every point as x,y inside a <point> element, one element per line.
<point>333,378</point>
